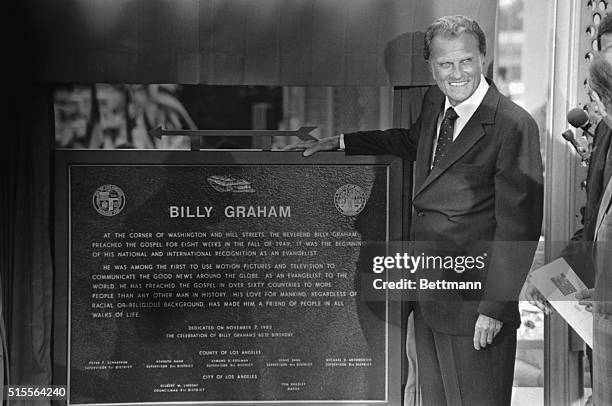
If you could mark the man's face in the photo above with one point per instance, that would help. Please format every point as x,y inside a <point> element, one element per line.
<point>456,66</point>
<point>606,47</point>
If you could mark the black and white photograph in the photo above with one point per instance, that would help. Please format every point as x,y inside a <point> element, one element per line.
<point>307,202</point>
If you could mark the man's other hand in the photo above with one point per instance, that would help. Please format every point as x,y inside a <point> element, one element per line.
<point>531,294</point>
<point>311,146</point>
<point>485,331</point>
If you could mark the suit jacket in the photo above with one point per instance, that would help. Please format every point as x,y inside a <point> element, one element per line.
<point>578,251</point>
<point>603,254</point>
<point>487,188</point>
<point>602,321</point>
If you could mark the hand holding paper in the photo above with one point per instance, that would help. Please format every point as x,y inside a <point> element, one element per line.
<point>585,298</point>
<point>560,285</point>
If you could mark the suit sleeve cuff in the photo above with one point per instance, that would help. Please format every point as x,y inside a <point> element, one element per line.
<point>497,310</point>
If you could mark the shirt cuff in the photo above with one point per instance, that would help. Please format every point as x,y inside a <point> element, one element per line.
<point>342,146</point>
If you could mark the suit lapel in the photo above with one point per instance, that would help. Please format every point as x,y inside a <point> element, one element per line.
<point>604,206</point>
<point>469,135</point>
<point>428,133</point>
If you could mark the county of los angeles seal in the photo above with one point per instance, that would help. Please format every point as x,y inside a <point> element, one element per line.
<point>109,200</point>
<point>350,200</point>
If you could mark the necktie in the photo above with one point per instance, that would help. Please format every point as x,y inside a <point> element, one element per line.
<point>445,136</point>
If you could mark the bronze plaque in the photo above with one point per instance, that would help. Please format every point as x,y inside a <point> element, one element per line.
<point>223,277</point>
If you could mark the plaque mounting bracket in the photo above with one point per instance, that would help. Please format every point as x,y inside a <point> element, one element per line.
<point>195,136</point>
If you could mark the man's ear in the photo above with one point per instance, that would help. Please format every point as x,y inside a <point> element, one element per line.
<point>431,69</point>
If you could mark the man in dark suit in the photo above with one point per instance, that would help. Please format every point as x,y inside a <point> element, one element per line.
<point>478,178</point>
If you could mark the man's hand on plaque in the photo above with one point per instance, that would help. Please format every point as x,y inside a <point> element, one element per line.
<point>485,331</point>
<point>312,146</point>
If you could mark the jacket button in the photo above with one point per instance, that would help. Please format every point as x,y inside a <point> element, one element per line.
<point>420,213</point>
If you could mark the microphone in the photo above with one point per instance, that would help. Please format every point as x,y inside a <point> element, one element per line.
<point>569,137</point>
<point>579,119</point>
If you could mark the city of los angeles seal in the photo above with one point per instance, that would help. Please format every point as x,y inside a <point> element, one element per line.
<point>109,200</point>
<point>350,200</point>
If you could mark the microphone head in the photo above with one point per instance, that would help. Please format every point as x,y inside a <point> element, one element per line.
<point>577,118</point>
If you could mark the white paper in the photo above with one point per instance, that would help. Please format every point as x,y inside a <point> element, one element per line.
<point>559,284</point>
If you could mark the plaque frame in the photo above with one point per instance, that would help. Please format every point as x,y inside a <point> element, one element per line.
<point>397,215</point>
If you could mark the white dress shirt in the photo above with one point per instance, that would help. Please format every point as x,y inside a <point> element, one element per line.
<point>465,110</point>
